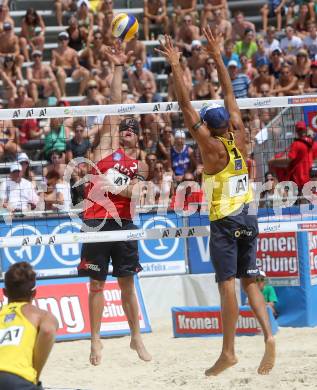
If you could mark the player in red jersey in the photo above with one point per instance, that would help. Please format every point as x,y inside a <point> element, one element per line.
<point>107,207</point>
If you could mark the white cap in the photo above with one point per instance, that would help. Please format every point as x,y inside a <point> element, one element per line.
<point>232,63</point>
<point>180,134</point>
<point>196,42</point>
<point>15,167</point>
<point>81,2</point>
<point>23,157</point>
<point>63,34</point>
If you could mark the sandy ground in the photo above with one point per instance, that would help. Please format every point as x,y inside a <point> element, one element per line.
<point>180,363</point>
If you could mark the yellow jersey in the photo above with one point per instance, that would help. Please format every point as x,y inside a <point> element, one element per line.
<point>229,189</point>
<point>17,339</point>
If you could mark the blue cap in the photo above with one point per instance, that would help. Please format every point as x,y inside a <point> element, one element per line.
<point>216,117</point>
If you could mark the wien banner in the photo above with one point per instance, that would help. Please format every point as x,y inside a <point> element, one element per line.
<point>312,242</point>
<point>67,299</point>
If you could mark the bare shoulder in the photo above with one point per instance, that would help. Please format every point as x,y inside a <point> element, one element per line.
<point>143,169</point>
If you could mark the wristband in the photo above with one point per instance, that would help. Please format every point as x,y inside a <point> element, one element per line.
<point>119,64</point>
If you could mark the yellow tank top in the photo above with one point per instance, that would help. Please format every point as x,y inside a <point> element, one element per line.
<point>229,189</point>
<point>17,339</point>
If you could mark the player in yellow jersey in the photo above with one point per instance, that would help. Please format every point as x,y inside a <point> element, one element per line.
<point>27,334</point>
<point>220,135</point>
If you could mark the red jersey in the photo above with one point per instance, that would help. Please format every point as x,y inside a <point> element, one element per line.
<point>125,165</point>
<point>301,155</point>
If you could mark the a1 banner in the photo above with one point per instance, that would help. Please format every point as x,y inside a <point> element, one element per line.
<point>312,240</point>
<point>277,256</point>
<point>206,321</point>
<point>67,299</point>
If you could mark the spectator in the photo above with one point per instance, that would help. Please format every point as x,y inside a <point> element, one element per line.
<point>146,142</point>
<point>240,25</point>
<point>155,12</point>
<point>191,199</point>
<point>212,75</point>
<point>5,16</point>
<point>57,197</point>
<point>151,159</point>
<point>287,84</point>
<point>210,6</point>
<point>93,96</point>
<point>182,157</point>
<point>16,193</point>
<point>139,78</point>
<point>136,50</point>
<point>42,81</point>
<point>240,82</point>
<point>22,99</point>
<point>267,196</point>
<point>162,184</point>
<point>263,78</point>
<point>268,292</point>
<point>27,173</point>
<point>103,77</point>
<point>302,21</point>
<point>9,43</point>
<point>270,41</point>
<point>310,40</point>
<point>301,68</point>
<point>79,145</point>
<point>95,54</point>
<point>203,88</point>
<point>9,146</point>
<point>32,35</point>
<point>63,5</point>
<point>126,99</point>
<point>57,162</point>
<point>247,46</point>
<point>228,53</point>
<point>182,8</point>
<point>65,63</point>
<point>221,24</point>
<point>265,90</point>
<point>164,146</point>
<point>186,34</point>
<point>76,39</point>
<point>276,63</point>
<point>273,8</point>
<point>247,68</point>
<point>198,57</point>
<point>310,85</point>
<point>85,20</point>
<point>260,57</point>
<point>104,19</point>
<point>291,43</point>
<point>56,138</point>
<point>148,96</point>
<point>11,75</point>
<point>187,77</point>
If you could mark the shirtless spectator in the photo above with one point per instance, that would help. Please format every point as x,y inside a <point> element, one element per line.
<point>239,26</point>
<point>93,96</point>
<point>103,76</point>
<point>11,77</point>
<point>212,76</point>
<point>203,89</point>
<point>126,99</point>
<point>222,25</point>
<point>8,139</point>
<point>155,11</point>
<point>270,41</point>
<point>22,99</point>
<point>137,49</point>
<point>57,162</point>
<point>94,54</point>
<point>139,78</point>
<point>210,6</point>
<point>310,85</point>
<point>57,196</point>
<point>5,16</point>
<point>85,20</point>
<point>9,43</point>
<point>148,96</point>
<point>42,81</point>
<point>287,84</point>
<point>32,35</point>
<point>301,68</point>
<point>198,56</point>
<point>65,64</point>
<point>310,41</point>
<point>187,77</point>
<point>63,5</point>
<point>181,8</point>
<point>263,78</point>
<point>104,19</point>
<point>164,146</point>
<point>302,21</point>
<point>186,34</point>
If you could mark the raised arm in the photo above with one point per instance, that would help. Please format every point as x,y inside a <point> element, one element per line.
<point>191,117</point>
<point>213,49</point>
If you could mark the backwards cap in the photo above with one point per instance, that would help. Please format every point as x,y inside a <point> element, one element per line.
<point>215,116</point>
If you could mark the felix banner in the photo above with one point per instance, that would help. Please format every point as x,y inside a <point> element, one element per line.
<point>277,256</point>
<point>67,299</point>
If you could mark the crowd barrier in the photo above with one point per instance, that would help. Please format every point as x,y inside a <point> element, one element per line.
<point>288,258</point>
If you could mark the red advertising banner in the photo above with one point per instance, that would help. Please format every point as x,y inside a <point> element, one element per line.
<point>277,256</point>
<point>67,299</point>
<point>206,321</point>
<point>312,240</point>
<point>312,120</point>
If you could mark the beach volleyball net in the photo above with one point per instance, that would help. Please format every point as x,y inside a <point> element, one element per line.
<point>171,211</point>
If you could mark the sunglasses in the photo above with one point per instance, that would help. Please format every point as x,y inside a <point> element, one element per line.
<point>93,87</point>
<point>259,279</point>
<point>98,37</point>
<point>63,39</point>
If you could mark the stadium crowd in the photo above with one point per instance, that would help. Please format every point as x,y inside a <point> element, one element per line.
<point>263,62</point>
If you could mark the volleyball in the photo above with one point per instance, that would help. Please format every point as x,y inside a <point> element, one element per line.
<point>124,27</point>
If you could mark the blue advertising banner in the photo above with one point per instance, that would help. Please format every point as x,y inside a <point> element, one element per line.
<point>158,257</point>
<point>198,248</point>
